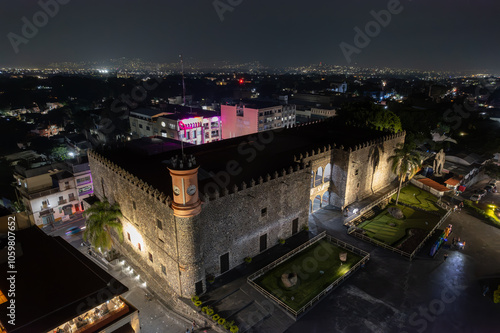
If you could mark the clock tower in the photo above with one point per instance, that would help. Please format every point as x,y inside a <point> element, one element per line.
<point>184,172</point>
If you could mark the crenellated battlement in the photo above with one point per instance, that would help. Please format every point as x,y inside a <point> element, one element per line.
<point>276,176</point>
<point>317,152</point>
<point>380,140</point>
<point>139,183</point>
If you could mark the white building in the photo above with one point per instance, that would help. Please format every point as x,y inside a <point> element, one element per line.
<point>53,192</point>
<point>192,125</point>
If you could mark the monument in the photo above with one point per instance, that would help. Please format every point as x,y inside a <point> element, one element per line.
<point>438,163</point>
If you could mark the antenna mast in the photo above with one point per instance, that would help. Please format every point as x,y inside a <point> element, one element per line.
<point>183,85</point>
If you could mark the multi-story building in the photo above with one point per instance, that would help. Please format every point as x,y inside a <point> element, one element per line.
<point>53,192</point>
<point>58,289</point>
<point>188,217</point>
<point>307,114</point>
<point>196,126</point>
<point>83,180</point>
<point>256,116</point>
<point>48,130</point>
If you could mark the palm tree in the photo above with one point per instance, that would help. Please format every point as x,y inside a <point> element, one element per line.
<point>404,161</point>
<point>102,218</point>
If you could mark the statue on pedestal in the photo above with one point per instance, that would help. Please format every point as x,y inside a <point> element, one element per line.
<point>439,163</point>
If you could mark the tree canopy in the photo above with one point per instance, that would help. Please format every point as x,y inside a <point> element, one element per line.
<point>371,115</point>
<point>102,219</point>
<point>404,163</point>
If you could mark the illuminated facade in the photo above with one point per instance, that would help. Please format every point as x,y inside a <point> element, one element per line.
<point>186,219</point>
<point>245,119</point>
<point>48,130</point>
<point>195,126</point>
<point>53,192</point>
<point>195,130</point>
<point>111,315</point>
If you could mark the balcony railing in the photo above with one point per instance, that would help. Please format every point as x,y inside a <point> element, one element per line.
<point>62,202</point>
<point>46,212</point>
<point>42,193</point>
<point>86,192</point>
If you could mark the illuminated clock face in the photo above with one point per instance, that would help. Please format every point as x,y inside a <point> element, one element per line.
<point>163,124</point>
<point>177,191</point>
<point>191,190</point>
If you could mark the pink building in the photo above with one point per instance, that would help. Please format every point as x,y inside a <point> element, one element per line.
<point>245,119</point>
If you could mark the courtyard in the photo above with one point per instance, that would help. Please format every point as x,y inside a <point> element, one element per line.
<point>385,228</point>
<point>416,197</point>
<point>403,226</point>
<point>317,267</point>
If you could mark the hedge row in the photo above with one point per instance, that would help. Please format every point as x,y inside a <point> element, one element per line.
<point>210,312</point>
<point>481,213</point>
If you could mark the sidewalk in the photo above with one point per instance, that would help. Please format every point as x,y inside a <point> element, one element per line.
<point>154,315</point>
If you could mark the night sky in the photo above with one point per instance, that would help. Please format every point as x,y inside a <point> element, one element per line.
<point>426,34</point>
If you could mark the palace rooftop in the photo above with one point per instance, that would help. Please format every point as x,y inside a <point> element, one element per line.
<point>245,158</point>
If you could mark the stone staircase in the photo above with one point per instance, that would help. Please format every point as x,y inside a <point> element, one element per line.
<point>367,216</point>
<point>250,310</point>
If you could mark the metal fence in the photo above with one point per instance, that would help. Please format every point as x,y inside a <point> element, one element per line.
<point>431,233</point>
<point>354,232</point>
<point>367,208</point>
<point>43,193</point>
<point>275,263</point>
<point>294,314</point>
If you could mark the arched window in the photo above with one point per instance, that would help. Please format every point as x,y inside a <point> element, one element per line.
<point>328,173</point>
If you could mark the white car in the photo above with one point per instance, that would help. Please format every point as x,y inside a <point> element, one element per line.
<point>492,183</point>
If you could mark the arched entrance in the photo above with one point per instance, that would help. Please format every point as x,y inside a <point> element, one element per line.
<point>325,199</point>
<point>316,203</point>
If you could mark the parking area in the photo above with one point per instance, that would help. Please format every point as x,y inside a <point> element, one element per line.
<point>489,200</point>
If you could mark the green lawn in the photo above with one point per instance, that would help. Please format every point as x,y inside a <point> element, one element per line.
<point>412,195</point>
<point>322,256</point>
<point>385,228</point>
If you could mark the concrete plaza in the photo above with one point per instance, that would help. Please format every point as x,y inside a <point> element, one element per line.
<point>428,294</point>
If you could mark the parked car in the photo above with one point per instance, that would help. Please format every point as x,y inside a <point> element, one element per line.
<point>475,197</point>
<point>488,188</point>
<point>493,182</point>
<point>73,230</point>
<point>482,193</point>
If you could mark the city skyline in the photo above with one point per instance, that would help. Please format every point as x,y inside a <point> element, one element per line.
<point>397,34</point>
